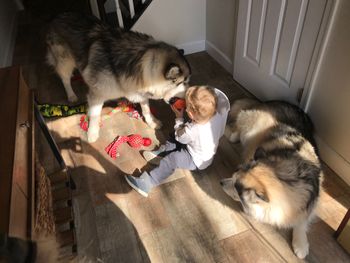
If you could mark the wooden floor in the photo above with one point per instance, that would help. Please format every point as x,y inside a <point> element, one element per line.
<point>187,219</point>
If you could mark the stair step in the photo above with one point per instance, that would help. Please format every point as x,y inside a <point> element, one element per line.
<point>66,238</point>
<point>62,194</point>
<point>58,177</point>
<point>63,215</point>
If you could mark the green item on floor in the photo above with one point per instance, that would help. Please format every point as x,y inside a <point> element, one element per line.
<point>49,110</point>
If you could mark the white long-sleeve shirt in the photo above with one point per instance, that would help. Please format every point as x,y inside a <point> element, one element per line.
<point>203,139</point>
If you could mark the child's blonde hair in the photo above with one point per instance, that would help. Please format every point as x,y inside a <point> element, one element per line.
<point>202,102</point>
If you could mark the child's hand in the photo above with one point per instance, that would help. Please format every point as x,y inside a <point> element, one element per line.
<point>178,113</point>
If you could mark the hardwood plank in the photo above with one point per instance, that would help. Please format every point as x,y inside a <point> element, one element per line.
<point>118,241</point>
<point>190,222</point>
<point>153,248</point>
<point>281,241</point>
<point>171,248</point>
<point>343,232</point>
<point>333,184</point>
<point>331,211</point>
<point>224,215</point>
<point>247,247</point>
<point>148,215</point>
<point>323,246</point>
<point>85,227</point>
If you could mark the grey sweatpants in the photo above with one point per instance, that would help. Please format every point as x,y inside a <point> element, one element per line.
<point>176,156</point>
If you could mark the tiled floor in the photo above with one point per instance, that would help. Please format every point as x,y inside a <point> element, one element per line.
<point>188,218</point>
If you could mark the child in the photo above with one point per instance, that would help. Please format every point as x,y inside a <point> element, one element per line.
<point>195,142</point>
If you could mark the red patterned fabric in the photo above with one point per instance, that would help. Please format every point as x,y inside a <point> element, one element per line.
<point>84,123</point>
<point>111,149</point>
<point>134,140</point>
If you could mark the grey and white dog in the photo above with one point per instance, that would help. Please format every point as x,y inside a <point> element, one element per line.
<point>280,179</point>
<point>114,63</point>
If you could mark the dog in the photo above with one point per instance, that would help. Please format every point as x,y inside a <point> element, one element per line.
<point>280,179</point>
<point>114,63</point>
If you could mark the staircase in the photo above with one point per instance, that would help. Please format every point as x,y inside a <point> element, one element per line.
<point>125,12</point>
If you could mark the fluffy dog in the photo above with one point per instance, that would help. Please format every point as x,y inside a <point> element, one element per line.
<point>279,182</point>
<point>114,63</point>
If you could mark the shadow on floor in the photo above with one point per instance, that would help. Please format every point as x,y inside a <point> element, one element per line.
<point>124,221</point>
<point>103,230</point>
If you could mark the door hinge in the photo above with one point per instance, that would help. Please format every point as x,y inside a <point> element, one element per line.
<point>300,94</point>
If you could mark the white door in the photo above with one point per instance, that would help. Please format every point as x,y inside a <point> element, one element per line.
<point>274,45</point>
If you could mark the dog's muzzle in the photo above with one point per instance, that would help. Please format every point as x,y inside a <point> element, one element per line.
<point>179,92</point>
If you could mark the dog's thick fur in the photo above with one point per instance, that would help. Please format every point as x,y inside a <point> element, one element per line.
<point>279,182</point>
<point>114,64</point>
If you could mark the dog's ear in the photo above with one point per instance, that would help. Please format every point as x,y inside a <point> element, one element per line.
<point>260,153</point>
<point>173,72</point>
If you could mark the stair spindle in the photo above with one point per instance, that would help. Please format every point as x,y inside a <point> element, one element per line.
<point>119,14</point>
<point>131,8</point>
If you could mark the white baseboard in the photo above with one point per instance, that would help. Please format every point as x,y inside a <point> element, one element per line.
<point>219,56</point>
<point>336,162</point>
<point>192,47</point>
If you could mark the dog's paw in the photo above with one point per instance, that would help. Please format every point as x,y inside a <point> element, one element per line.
<point>92,135</point>
<point>72,98</point>
<point>301,248</point>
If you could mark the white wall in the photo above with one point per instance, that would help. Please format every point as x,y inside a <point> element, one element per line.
<point>178,22</point>
<point>220,31</point>
<point>329,99</point>
<point>8,19</point>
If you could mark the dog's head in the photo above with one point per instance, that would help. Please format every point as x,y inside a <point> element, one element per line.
<point>168,73</point>
<point>256,186</point>
<point>177,73</point>
<point>178,77</point>
<point>276,186</point>
<point>248,185</point>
